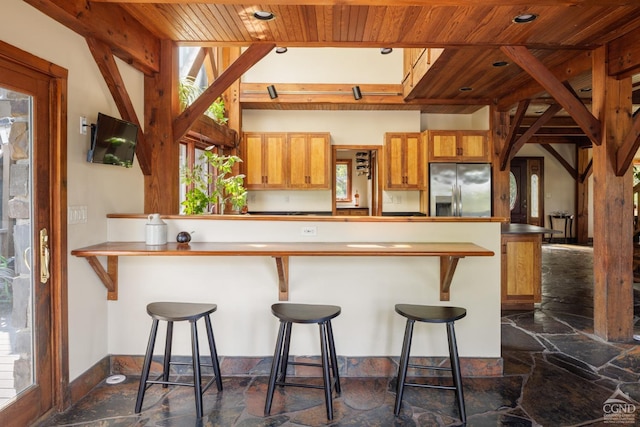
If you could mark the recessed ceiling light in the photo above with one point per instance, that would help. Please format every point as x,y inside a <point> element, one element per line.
<point>539,111</point>
<point>524,18</point>
<point>281,49</point>
<point>585,89</point>
<point>386,50</point>
<point>500,64</point>
<point>263,15</point>
<point>465,89</point>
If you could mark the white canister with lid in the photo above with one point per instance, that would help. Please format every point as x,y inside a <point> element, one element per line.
<point>156,231</point>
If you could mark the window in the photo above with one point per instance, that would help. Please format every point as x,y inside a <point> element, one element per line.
<point>343,180</point>
<point>190,156</point>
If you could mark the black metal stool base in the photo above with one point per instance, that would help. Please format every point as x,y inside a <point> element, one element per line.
<point>305,313</point>
<point>171,312</point>
<point>430,314</point>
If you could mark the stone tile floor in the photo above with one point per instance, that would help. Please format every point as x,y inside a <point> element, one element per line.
<point>556,373</point>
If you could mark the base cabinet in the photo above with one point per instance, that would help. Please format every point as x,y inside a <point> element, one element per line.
<point>521,270</point>
<point>352,211</point>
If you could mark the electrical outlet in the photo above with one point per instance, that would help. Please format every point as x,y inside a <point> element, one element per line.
<point>309,231</point>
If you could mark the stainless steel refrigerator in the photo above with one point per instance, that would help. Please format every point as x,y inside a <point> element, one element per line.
<point>460,189</point>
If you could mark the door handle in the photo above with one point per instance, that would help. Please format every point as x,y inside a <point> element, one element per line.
<point>44,256</point>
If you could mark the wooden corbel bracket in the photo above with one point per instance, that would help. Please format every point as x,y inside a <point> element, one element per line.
<point>109,277</point>
<point>448,266</point>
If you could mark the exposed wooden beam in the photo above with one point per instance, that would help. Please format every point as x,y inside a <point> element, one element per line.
<point>555,131</point>
<point>505,154</point>
<point>211,66</point>
<point>337,93</point>
<point>197,62</point>
<point>558,121</point>
<point>587,171</point>
<point>129,40</point>
<point>623,55</point>
<point>563,162</point>
<point>190,114</point>
<point>108,68</point>
<point>542,120</point>
<point>566,71</point>
<point>612,208</point>
<point>536,69</point>
<point>161,192</point>
<point>207,130</point>
<point>580,141</point>
<point>629,148</point>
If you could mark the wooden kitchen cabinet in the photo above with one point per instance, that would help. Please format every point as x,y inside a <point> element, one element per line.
<point>458,146</point>
<point>352,211</point>
<point>403,160</point>
<point>521,270</point>
<point>264,156</point>
<point>309,160</point>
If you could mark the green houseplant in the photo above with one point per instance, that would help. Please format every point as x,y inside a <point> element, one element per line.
<point>211,182</point>
<point>189,91</point>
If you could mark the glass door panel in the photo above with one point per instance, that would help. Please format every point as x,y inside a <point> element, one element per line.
<point>17,372</point>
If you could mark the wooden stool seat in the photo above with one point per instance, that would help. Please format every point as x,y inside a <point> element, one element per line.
<point>176,312</point>
<point>290,313</point>
<point>430,314</point>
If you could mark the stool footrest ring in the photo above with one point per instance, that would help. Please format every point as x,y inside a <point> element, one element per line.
<point>433,368</point>
<point>441,387</point>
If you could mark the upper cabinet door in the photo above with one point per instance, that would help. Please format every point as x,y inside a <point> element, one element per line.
<point>298,158</point>
<point>458,146</point>
<point>253,161</point>
<point>264,161</point>
<point>309,160</point>
<point>403,161</point>
<point>474,146</point>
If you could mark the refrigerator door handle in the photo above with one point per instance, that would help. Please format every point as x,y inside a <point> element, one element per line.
<point>459,200</point>
<point>454,201</point>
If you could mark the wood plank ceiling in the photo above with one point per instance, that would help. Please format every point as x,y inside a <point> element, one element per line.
<point>471,32</point>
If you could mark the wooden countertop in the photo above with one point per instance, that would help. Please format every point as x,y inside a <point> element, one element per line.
<point>284,248</point>
<point>526,229</point>
<point>448,252</point>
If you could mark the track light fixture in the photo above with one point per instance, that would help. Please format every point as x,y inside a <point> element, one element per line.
<point>356,92</point>
<point>272,92</point>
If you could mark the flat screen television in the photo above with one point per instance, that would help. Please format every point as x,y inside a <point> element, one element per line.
<point>113,141</point>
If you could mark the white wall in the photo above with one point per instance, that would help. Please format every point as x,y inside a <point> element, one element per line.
<point>101,188</point>
<point>328,65</point>
<point>367,288</point>
<point>346,128</point>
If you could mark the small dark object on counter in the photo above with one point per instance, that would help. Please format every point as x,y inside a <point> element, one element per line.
<point>183,237</point>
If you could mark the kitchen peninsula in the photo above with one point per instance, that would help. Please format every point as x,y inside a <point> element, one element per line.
<point>365,285</point>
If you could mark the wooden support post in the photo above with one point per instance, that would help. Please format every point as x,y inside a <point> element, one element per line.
<point>499,134</point>
<point>613,212</point>
<point>161,192</point>
<point>582,196</point>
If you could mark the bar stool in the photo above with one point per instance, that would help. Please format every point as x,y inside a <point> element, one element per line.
<point>175,312</point>
<point>430,314</point>
<point>305,313</point>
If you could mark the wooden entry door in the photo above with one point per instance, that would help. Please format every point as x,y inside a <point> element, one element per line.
<point>32,233</point>
<point>526,182</point>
